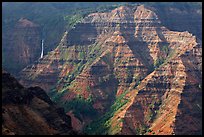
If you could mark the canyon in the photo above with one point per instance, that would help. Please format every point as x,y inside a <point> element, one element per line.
<point>123,73</point>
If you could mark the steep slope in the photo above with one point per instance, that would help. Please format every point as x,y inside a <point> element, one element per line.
<point>29,111</point>
<point>124,69</point>
<point>63,15</point>
<point>21,45</point>
<point>159,105</point>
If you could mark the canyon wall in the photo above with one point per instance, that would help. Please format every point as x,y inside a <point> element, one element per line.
<point>126,70</point>
<point>21,45</point>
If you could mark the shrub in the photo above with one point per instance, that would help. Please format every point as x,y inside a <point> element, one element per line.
<point>158,62</point>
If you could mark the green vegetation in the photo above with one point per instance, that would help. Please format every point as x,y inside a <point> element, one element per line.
<point>72,20</point>
<point>80,106</point>
<point>158,62</point>
<point>172,53</point>
<point>141,130</point>
<point>64,55</point>
<point>94,51</point>
<point>55,96</point>
<point>149,130</point>
<point>88,88</point>
<point>90,99</point>
<point>165,49</point>
<point>82,55</point>
<point>77,70</point>
<point>153,110</point>
<point>102,124</point>
<point>75,104</point>
<point>53,17</point>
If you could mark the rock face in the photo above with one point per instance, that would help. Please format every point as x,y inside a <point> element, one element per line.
<point>21,45</point>
<point>160,103</point>
<point>29,111</point>
<point>130,72</point>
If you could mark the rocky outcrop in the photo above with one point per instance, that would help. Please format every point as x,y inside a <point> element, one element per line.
<point>21,45</point>
<point>127,67</point>
<point>29,111</point>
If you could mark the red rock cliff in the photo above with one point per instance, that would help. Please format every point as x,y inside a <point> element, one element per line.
<point>127,53</point>
<point>21,46</point>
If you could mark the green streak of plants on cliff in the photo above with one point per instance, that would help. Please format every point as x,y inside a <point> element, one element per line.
<point>55,18</point>
<point>171,54</point>
<point>93,51</point>
<point>102,125</point>
<point>55,96</point>
<point>162,59</point>
<point>80,106</point>
<point>72,20</point>
<point>158,62</point>
<point>78,67</point>
<point>142,130</point>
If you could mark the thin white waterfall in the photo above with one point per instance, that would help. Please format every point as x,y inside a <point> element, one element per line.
<point>42,49</point>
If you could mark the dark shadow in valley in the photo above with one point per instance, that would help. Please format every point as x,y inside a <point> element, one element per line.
<point>189,120</point>
<point>83,34</point>
<point>139,48</point>
<point>141,51</point>
<point>160,34</point>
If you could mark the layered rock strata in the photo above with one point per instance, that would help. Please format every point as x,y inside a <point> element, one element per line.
<point>125,55</point>
<point>21,45</point>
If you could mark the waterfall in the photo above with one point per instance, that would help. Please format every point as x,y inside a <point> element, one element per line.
<point>41,56</point>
